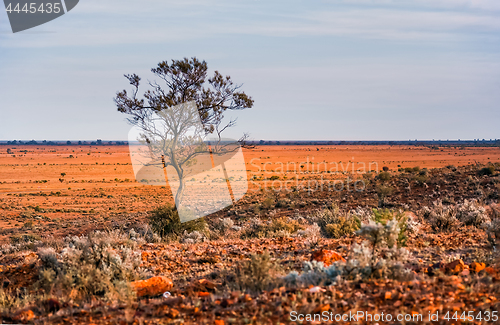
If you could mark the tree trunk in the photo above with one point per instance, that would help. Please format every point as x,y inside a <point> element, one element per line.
<point>180,191</point>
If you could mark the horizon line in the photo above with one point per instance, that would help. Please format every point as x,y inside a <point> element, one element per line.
<point>262,142</point>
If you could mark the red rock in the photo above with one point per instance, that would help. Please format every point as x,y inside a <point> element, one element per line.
<point>24,315</point>
<point>322,308</point>
<point>477,267</point>
<point>490,270</point>
<point>152,287</point>
<point>203,285</point>
<point>174,313</point>
<point>455,267</point>
<point>328,257</point>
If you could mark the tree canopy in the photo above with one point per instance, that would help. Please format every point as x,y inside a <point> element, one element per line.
<point>184,81</point>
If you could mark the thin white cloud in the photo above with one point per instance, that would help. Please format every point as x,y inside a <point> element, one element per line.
<point>434,4</point>
<point>137,23</point>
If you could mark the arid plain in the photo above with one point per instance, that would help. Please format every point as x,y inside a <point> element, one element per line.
<point>99,181</point>
<point>405,230</point>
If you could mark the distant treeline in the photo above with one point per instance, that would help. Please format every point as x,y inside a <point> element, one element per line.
<point>98,142</point>
<point>475,142</point>
<point>437,143</point>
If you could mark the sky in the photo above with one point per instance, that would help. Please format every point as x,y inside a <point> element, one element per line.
<point>317,70</point>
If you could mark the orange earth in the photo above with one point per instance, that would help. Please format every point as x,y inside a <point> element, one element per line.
<point>98,181</point>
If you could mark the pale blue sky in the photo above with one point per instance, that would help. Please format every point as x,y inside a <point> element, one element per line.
<point>317,70</point>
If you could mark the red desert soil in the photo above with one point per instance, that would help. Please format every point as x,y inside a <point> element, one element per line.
<point>99,182</point>
<point>54,191</point>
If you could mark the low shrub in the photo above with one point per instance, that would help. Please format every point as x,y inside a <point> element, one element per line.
<point>377,257</point>
<point>490,170</point>
<point>380,234</point>
<point>313,232</point>
<point>472,214</point>
<point>421,179</point>
<point>268,203</point>
<point>254,228</point>
<point>15,299</point>
<point>283,203</point>
<point>99,265</point>
<point>453,168</point>
<point>326,216</point>
<point>315,274</point>
<point>383,192</point>
<point>448,218</point>
<point>383,216</point>
<point>384,176</point>
<point>24,238</point>
<point>165,222</point>
<point>494,232</point>
<point>223,225</point>
<point>193,237</point>
<point>344,225</point>
<point>285,224</point>
<point>280,227</point>
<point>440,217</point>
<point>145,232</point>
<point>335,223</point>
<point>363,214</point>
<point>258,273</point>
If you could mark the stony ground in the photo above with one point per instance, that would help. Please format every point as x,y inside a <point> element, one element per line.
<point>451,271</point>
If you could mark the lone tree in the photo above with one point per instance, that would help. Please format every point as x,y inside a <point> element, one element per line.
<point>164,113</point>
